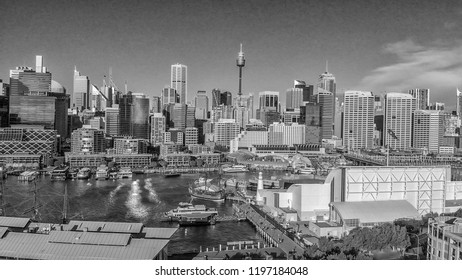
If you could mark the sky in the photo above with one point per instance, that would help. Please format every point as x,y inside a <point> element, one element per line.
<point>373,45</point>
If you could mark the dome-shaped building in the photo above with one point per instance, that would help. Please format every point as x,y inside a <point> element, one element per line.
<point>57,87</point>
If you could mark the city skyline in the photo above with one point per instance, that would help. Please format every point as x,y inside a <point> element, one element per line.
<point>283,41</point>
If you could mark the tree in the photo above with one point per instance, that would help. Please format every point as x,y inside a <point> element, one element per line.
<point>163,163</point>
<point>199,162</point>
<point>192,163</point>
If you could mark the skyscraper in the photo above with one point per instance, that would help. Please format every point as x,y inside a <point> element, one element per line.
<point>308,90</point>
<point>294,98</point>
<point>140,117</point>
<point>326,101</point>
<point>112,121</point>
<point>158,127</point>
<point>225,131</point>
<point>179,81</point>
<point>326,81</point>
<point>422,98</point>
<point>179,115</point>
<point>459,103</point>
<point>358,121</point>
<point>202,105</point>
<point>25,80</point>
<point>269,100</point>
<point>397,130</point>
<point>428,130</point>
<point>156,104</point>
<point>221,98</point>
<point>190,116</point>
<point>169,96</point>
<point>81,93</point>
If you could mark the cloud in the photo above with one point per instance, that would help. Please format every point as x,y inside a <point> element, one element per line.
<point>437,67</point>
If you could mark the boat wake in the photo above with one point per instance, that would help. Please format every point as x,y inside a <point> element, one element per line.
<point>113,193</point>
<point>136,209</point>
<point>153,197</point>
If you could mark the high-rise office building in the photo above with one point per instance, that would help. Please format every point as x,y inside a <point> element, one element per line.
<point>269,100</point>
<point>112,121</point>
<point>310,116</point>
<point>459,103</point>
<point>81,93</point>
<point>358,121</point>
<point>190,116</point>
<point>326,81</point>
<point>422,98</point>
<point>156,104</point>
<point>27,81</point>
<point>202,105</point>
<point>294,98</point>
<point>125,114</point>
<point>169,96</point>
<point>4,111</point>
<point>225,130</point>
<point>308,90</point>
<point>397,131</point>
<point>179,81</point>
<point>179,115</point>
<point>140,117</point>
<point>191,136</point>
<point>158,127</point>
<point>221,98</point>
<point>428,130</point>
<point>326,101</point>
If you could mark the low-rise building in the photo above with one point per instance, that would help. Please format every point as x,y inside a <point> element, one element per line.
<point>444,238</point>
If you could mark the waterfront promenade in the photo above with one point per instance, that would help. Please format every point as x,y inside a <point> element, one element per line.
<point>271,231</point>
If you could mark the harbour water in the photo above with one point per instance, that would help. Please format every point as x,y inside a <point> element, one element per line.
<point>143,198</point>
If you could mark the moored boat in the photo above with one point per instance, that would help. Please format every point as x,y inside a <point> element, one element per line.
<point>235,169</point>
<point>84,173</point>
<point>171,173</point>
<point>102,173</point>
<point>189,214</point>
<point>60,173</point>
<point>124,173</point>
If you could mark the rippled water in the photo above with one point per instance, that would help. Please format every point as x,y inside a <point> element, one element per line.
<point>141,199</point>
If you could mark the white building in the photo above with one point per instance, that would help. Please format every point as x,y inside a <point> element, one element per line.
<point>358,120</point>
<point>191,136</point>
<point>248,138</point>
<point>225,131</point>
<point>158,127</point>
<point>179,81</point>
<point>428,130</point>
<point>281,134</point>
<point>398,120</point>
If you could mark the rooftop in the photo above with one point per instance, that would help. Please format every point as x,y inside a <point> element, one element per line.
<point>14,222</point>
<point>111,227</point>
<point>159,233</point>
<point>376,211</point>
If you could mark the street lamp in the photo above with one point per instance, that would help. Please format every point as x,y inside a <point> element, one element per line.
<point>418,244</point>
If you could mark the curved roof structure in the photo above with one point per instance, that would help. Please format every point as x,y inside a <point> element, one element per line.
<point>57,87</point>
<point>376,211</point>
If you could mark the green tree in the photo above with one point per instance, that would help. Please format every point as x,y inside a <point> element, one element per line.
<point>199,162</point>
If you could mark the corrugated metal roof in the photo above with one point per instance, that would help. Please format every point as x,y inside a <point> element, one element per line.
<point>3,230</point>
<point>159,233</point>
<point>36,246</point>
<point>376,211</point>
<point>91,238</point>
<point>106,226</point>
<point>14,222</point>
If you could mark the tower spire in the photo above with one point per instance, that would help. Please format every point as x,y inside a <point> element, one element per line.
<point>327,68</point>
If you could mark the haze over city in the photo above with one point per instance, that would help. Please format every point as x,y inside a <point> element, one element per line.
<point>370,45</point>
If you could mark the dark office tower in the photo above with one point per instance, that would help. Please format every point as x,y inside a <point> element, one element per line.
<point>4,111</point>
<point>169,96</point>
<point>190,116</point>
<point>81,93</point>
<point>326,101</point>
<point>179,115</point>
<point>156,104</point>
<point>61,108</point>
<point>308,91</point>
<point>4,89</point>
<point>202,105</point>
<point>25,80</point>
<point>221,98</point>
<point>140,117</point>
<point>125,114</point>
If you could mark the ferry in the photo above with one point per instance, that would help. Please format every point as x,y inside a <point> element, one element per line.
<point>197,219</point>
<point>60,173</point>
<point>235,169</point>
<point>185,209</point>
<point>84,173</point>
<point>102,173</point>
<point>171,173</point>
<point>124,173</point>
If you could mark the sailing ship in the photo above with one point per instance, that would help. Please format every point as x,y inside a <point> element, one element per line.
<point>203,188</point>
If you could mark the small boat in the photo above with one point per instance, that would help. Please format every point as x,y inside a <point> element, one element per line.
<point>235,169</point>
<point>138,171</point>
<point>197,219</point>
<point>171,173</point>
<point>84,173</point>
<point>306,170</point>
<point>102,173</point>
<point>124,173</point>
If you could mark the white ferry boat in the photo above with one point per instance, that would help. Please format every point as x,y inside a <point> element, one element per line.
<point>102,173</point>
<point>235,169</point>
<point>124,173</point>
<point>185,208</point>
<point>306,170</point>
